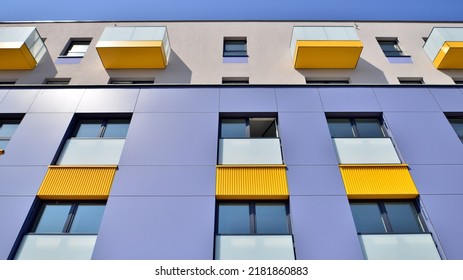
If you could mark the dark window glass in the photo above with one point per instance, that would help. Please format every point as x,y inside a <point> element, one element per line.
<point>87,219</point>
<point>271,218</point>
<point>340,128</point>
<point>116,129</point>
<point>262,127</point>
<point>402,217</point>
<point>89,129</point>
<point>234,48</point>
<point>369,128</point>
<point>367,218</point>
<point>391,48</point>
<point>234,219</point>
<point>231,128</point>
<point>53,218</point>
<point>457,125</point>
<point>249,128</point>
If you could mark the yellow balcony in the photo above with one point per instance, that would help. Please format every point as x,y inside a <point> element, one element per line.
<point>251,182</point>
<point>445,48</point>
<point>77,182</point>
<point>390,181</point>
<point>134,48</point>
<point>325,47</point>
<point>21,48</point>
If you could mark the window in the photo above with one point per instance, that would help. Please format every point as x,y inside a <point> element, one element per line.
<point>411,81</point>
<point>95,142</point>
<point>458,81</point>
<point>7,82</point>
<point>310,81</point>
<point>235,80</point>
<point>248,128</point>
<point>390,47</point>
<point>58,81</point>
<point>69,217</point>
<point>235,47</point>
<point>7,128</point>
<point>386,217</point>
<point>130,82</point>
<point>457,124</point>
<point>253,218</point>
<point>356,128</point>
<point>76,47</point>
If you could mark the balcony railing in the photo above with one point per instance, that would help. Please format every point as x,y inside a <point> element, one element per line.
<point>89,151</point>
<point>250,151</point>
<point>366,151</point>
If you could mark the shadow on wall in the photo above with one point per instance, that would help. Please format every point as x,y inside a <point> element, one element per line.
<point>45,69</point>
<point>364,73</point>
<point>176,72</point>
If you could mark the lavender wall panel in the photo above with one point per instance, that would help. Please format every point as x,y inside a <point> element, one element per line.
<point>162,227</point>
<point>315,180</point>
<point>444,212</point>
<point>403,99</point>
<point>323,228</point>
<point>21,180</point>
<point>449,99</point>
<point>108,100</point>
<point>57,100</point>
<point>425,138</point>
<point>437,179</point>
<point>171,139</point>
<point>18,101</point>
<point>349,99</point>
<point>178,100</point>
<point>13,212</point>
<point>37,139</point>
<point>251,99</point>
<point>298,100</point>
<point>164,180</point>
<point>305,139</point>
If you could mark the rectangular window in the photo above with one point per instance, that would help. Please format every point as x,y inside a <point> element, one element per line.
<point>390,47</point>
<point>386,217</point>
<point>130,82</point>
<point>7,129</point>
<point>356,128</point>
<point>248,128</point>
<point>235,47</point>
<point>95,142</point>
<point>342,81</point>
<point>235,80</point>
<point>411,81</point>
<point>76,47</point>
<point>458,81</point>
<point>58,81</point>
<point>253,218</point>
<point>457,124</point>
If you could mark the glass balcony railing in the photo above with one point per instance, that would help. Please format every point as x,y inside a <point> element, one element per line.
<point>90,151</point>
<point>366,151</point>
<point>250,151</point>
<point>254,247</point>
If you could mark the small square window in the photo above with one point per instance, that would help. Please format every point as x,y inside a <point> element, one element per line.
<point>76,47</point>
<point>390,47</point>
<point>235,47</point>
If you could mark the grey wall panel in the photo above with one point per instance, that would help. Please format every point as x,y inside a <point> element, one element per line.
<point>157,228</point>
<point>425,138</point>
<point>236,99</point>
<point>323,228</point>
<point>18,101</point>
<point>349,99</point>
<point>298,100</point>
<point>449,99</point>
<point>403,99</point>
<point>37,139</point>
<point>444,212</point>
<point>108,100</point>
<point>171,139</point>
<point>438,179</point>
<point>13,213</point>
<point>305,139</point>
<point>57,100</point>
<point>21,180</point>
<point>178,100</point>
<point>164,180</point>
<point>315,180</point>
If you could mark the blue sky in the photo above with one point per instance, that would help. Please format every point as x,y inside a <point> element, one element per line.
<point>113,10</point>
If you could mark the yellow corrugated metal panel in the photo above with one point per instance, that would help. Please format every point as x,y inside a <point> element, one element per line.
<point>327,54</point>
<point>378,181</point>
<point>251,182</point>
<point>132,54</point>
<point>16,56</point>
<point>77,182</point>
<point>450,56</point>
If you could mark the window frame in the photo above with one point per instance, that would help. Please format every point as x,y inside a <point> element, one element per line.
<point>252,216</point>
<point>354,128</point>
<point>394,42</point>
<point>103,126</point>
<point>455,118</point>
<point>386,220</point>
<point>73,42</point>
<point>9,120</point>
<point>242,41</point>
<point>247,121</point>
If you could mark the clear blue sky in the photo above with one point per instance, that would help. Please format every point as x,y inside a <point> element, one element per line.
<point>114,10</point>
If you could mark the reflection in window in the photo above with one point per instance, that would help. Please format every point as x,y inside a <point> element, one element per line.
<point>7,128</point>
<point>235,47</point>
<point>249,128</point>
<point>356,127</point>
